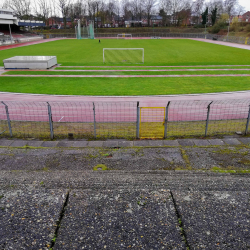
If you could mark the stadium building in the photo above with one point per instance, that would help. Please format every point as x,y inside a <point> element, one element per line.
<point>10,27</point>
<point>9,21</point>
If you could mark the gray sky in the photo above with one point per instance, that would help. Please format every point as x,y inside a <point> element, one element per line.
<point>245,3</point>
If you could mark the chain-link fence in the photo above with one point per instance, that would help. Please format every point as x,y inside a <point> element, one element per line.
<point>7,40</point>
<point>49,120</point>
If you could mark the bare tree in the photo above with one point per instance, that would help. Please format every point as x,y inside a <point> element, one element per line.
<point>230,6</point>
<point>64,8</point>
<point>240,10</point>
<point>178,9</point>
<point>43,9</point>
<point>126,9</point>
<point>218,4</point>
<point>197,9</point>
<point>111,7</point>
<point>21,8</point>
<point>148,6</point>
<point>4,5</point>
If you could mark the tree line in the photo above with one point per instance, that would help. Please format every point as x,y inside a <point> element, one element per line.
<point>173,12</point>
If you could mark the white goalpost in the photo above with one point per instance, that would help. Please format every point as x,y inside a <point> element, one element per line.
<point>124,36</point>
<point>123,55</point>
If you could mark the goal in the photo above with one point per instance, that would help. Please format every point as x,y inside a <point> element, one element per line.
<point>124,36</point>
<point>123,55</point>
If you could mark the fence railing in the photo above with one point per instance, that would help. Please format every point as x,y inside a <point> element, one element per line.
<point>232,39</point>
<point>130,120</point>
<point>6,40</point>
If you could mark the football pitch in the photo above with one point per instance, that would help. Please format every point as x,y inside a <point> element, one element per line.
<point>171,66</point>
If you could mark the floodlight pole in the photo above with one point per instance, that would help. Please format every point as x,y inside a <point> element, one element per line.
<point>10,33</point>
<point>206,27</point>
<point>228,26</point>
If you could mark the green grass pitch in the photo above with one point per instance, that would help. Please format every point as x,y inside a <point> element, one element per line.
<point>123,86</point>
<point>174,52</point>
<point>162,52</point>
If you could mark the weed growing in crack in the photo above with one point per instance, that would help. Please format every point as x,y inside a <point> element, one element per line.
<point>100,167</point>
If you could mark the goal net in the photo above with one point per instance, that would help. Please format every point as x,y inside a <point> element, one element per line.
<point>85,32</point>
<point>123,55</point>
<point>124,35</point>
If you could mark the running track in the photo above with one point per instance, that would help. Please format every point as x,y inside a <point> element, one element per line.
<point>123,76</point>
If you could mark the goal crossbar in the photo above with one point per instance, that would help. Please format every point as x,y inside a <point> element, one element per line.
<point>124,35</point>
<point>140,56</point>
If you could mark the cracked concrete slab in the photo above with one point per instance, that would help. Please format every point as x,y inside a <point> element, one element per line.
<point>142,143</point>
<point>201,142</point>
<point>19,143</point>
<point>163,158</point>
<point>171,143</point>
<point>95,143</point>
<point>155,143</point>
<point>216,142</point>
<point>28,217</point>
<point>132,172</point>
<point>5,143</point>
<point>120,219</point>
<point>244,140</point>
<point>87,158</point>
<point>186,142</point>
<point>231,141</point>
<point>215,220</point>
<point>80,144</point>
<point>222,157</point>
<point>49,144</point>
<point>35,143</point>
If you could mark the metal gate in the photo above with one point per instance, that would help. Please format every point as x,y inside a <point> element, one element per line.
<point>152,120</point>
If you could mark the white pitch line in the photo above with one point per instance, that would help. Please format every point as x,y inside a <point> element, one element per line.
<point>61,118</point>
<point>188,66</point>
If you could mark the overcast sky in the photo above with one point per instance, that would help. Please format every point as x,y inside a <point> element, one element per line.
<point>245,3</point>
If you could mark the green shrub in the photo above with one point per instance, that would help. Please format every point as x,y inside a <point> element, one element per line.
<point>248,28</point>
<point>217,27</point>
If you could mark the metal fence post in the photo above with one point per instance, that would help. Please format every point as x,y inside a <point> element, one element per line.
<point>138,122</point>
<point>248,118</point>
<point>50,122</point>
<point>8,118</point>
<point>166,121</point>
<point>208,112</point>
<point>94,120</point>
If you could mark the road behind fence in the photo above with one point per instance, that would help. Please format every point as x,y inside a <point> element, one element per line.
<point>129,120</point>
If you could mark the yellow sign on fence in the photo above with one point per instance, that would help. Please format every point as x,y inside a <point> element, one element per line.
<point>152,122</point>
<point>246,40</point>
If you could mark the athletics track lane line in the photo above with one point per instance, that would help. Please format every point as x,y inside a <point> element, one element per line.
<point>229,44</point>
<point>135,70</point>
<point>12,46</point>
<point>174,66</point>
<point>122,76</point>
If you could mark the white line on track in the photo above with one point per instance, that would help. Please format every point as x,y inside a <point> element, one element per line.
<point>152,66</point>
<point>123,76</point>
<point>138,70</point>
<point>61,118</point>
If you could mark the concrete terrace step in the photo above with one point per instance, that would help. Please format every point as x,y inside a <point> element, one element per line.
<point>52,197</point>
<point>174,180</point>
<point>124,143</point>
<point>121,209</point>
